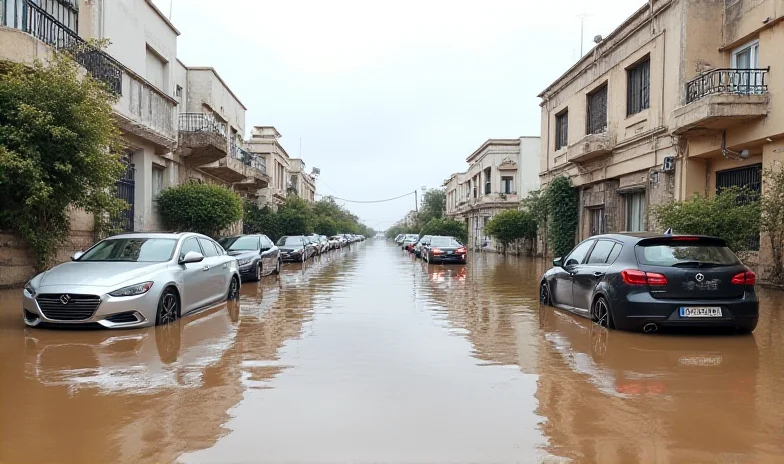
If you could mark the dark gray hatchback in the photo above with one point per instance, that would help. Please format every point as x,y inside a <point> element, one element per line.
<point>647,281</point>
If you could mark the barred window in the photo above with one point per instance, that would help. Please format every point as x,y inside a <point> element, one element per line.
<point>561,130</point>
<point>638,88</point>
<point>597,111</point>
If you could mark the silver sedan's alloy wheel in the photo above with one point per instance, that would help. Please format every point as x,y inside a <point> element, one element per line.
<point>259,272</point>
<point>304,255</point>
<point>168,308</point>
<point>544,294</point>
<point>234,289</point>
<point>277,267</point>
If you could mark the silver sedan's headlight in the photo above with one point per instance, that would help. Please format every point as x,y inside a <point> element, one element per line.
<point>29,289</point>
<point>133,290</point>
<point>242,262</point>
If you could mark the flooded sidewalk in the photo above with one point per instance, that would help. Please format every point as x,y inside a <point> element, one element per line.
<point>369,355</point>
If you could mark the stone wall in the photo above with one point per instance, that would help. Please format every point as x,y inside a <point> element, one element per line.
<point>17,263</point>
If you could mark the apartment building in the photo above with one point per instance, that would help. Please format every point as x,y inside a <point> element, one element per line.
<point>499,175</point>
<point>675,102</point>
<point>302,183</point>
<point>264,142</point>
<point>211,145</point>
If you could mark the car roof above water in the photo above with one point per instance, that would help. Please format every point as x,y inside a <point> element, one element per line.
<point>634,237</point>
<point>172,235</point>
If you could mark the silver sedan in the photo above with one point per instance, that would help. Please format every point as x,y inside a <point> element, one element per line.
<point>133,280</point>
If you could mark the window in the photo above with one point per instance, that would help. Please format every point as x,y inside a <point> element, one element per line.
<point>507,184</point>
<point>635,212</point>
<point>597,221</point>
<point>190,245</point>
<point>561,130</point>
<point>243,243</point>
<point>208,247</point>
<point>156,69</point>
<point>601,252</point>
<point>266,243</point>
<point>747,56</point>
<point>157,181</point>
<point>638,87</point>
<point>577,256</point>
<point>597,111</point>
<point>614,253</point>
<point>151,250</point>
<point>488,185</point>
<point>178,91</point>
<point>749,177</point>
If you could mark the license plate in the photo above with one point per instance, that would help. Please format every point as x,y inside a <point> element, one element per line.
<point>701,311</point>
<point>701,360</point>
<point>450,252</point>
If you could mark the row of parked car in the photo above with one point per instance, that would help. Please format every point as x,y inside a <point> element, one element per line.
<point>434,248</point>
<point>144,279</point>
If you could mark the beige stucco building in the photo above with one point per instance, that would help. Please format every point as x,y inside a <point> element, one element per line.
<point>642,117</point>
<point>264,142</point>
<point>500,173</point>
<point>302,183</point>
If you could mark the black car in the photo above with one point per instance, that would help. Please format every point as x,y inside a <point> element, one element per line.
<point>440,249</point>
<point>296,248</point>
<point>646,281</point>
<point>256,255</point>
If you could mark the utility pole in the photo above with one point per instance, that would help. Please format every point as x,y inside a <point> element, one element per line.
<point>416,201</point>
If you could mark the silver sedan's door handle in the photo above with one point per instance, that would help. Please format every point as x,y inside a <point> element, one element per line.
<point>205,268</point>
<point>598,274</point>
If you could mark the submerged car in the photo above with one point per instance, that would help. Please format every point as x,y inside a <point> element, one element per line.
<point>409,241</point>
<point>256,255</point>
<point>133,280</point>
<point>418,245</point>
<point>646,281</point>
<point>440,249</point>
<point>296,248</point>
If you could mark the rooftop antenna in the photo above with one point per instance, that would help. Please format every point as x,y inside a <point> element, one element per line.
<point>668,232</point>
<point>582,17</point>
<point>171,6</point>
<point>300,147</point>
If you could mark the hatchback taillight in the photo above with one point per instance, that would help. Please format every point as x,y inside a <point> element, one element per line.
<point>461,251</point>
<point>744,278</point>
<point>637,277</point>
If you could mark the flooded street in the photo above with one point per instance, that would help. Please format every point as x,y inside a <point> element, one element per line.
<point>368,355</point>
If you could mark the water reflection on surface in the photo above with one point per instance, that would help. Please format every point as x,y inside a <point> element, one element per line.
<point>370,355</point>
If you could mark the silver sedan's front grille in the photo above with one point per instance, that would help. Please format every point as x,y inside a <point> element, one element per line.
<point>68,307</point>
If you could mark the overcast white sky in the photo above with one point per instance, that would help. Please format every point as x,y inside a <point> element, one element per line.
<point>388,97</point>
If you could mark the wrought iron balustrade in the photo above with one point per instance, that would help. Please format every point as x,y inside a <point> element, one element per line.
<point>733,81</point>
<point>201,122</point>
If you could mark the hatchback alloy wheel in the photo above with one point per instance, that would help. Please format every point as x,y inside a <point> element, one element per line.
<point>601,313</point>
<point>277,267</point>
<point>544,294</point>
<point>259,273</point>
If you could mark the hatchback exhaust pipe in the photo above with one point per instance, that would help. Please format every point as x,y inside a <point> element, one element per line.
<point>650,327</point>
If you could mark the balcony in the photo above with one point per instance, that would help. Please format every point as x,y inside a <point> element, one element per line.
<point>722,98</point>
<point>202,139</point>
<point>146,111</point>
<point>589,147</point>
<point>30,18</point>
<point>256,170</point>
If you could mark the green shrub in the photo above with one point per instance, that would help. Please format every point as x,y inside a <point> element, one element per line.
<point>511,225</point>
<point>562,208</point>
<point>58,137</point>
<point>447,227</point>
<point>722,215</point>
<point>260,220</point>
<point>772,222</point>
<point>203,208</point>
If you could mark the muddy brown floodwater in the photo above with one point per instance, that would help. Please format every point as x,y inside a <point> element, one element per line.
<point>371,356</point>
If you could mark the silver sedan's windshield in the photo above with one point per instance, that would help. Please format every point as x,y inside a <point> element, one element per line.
<point>136,249</point>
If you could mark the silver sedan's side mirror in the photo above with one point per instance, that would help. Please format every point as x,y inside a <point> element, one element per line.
<point>76,255</point>
<point>192,257</point>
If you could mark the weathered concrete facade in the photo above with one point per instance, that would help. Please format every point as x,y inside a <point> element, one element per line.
<point>302,183</point>
<point>264,142</point>
<point>499,175</point>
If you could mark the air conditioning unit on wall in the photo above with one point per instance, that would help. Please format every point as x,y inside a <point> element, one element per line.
<point>669,164</point>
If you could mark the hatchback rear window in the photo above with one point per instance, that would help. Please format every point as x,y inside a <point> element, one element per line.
<point>684,254</point>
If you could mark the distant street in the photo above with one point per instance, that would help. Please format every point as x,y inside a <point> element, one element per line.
<point>369,355</point>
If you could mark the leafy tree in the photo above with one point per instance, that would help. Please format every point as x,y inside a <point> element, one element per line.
<point>58,145</point>
<point>203,208</point>
<point>295,217</point>
<point>261,221</point>
<point>510,226</point>
<point>326,226</point>
<point>562,208</point>
<point>447,227</point>
<point>433,206</point>
<point>537,204</point>
<point>722,215</point>
<point>772,221</point>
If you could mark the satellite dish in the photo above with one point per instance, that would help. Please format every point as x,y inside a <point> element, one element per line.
<point>744,153</point>
<point>597,39</point>
<point>315,171</point>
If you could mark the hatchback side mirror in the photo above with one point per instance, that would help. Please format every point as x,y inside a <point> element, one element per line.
<point>77,255</point>
<point>192,257</point>
<point>558,262</point>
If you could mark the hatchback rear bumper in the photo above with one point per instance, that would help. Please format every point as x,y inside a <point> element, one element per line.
<point>638,310</point>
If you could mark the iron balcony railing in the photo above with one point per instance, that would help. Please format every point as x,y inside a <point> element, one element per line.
<point>46,28</point>
<point>201,122</point>
<point>737,81</point>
